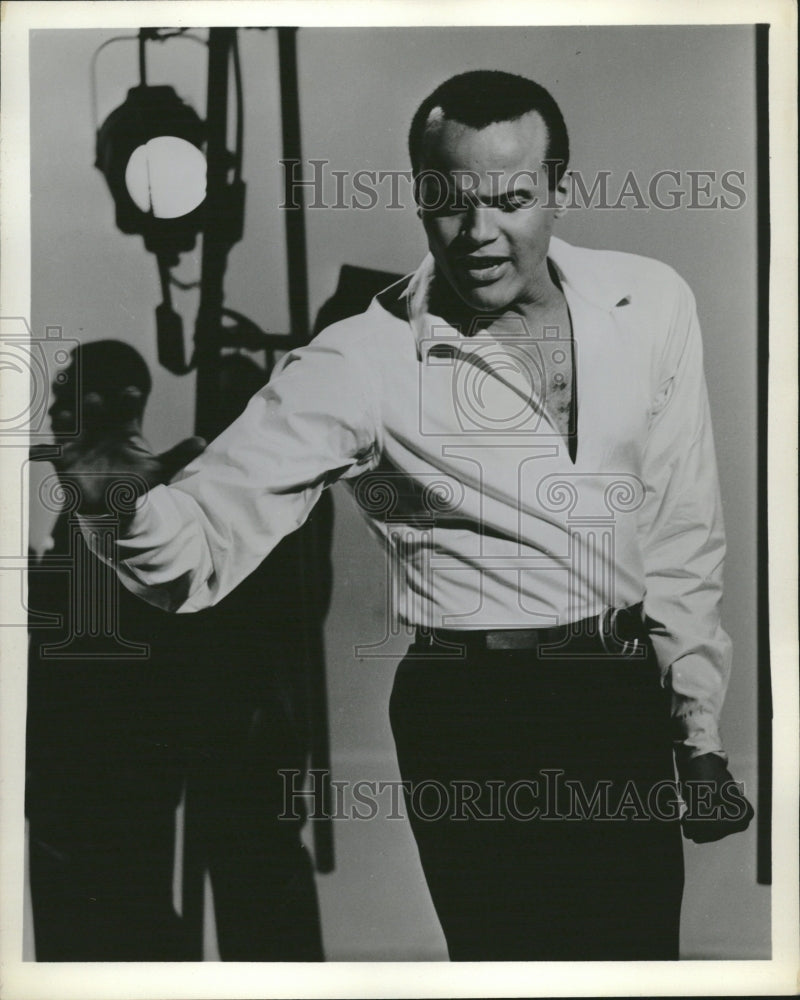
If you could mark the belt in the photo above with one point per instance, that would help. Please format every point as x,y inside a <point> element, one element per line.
<point>615,632</point>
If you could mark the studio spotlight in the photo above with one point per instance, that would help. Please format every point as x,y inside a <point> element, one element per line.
<point>150,151</point>
<point>172,178</point>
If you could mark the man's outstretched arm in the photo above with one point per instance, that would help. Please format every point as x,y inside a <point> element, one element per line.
<point>195,533</point>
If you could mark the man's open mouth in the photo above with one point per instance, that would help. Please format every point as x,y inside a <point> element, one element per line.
<point>483,268</point>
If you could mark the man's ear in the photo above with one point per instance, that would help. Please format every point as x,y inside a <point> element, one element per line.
<point>561,195</point>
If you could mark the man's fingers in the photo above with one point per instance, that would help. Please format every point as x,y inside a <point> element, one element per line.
<point>716,804</point>
<point>710,833</point>
<point>179,456</point>
<point>707,831</point>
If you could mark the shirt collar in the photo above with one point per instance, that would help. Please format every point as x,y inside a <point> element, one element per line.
<point>587,273</point>
<point>581,271</point>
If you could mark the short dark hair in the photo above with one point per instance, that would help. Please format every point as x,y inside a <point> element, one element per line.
<point>110,366</point>
<point>483,96</point>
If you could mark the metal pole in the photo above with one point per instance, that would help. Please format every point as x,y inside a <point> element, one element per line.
<point>215,238</point>
<point>295,217</point>
<point>207,404</point>
<point>310,549</point>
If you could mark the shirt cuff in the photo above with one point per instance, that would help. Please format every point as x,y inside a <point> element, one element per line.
<point>696,730</point>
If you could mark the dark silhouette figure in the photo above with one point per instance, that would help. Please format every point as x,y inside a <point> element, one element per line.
<point>128,705</point>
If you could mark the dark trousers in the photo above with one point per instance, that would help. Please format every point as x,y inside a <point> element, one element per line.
<point>540,792</point>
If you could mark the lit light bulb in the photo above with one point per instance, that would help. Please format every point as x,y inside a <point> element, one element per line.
<point>167,176</point>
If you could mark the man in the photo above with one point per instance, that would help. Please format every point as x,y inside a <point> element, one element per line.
<point>128,706</point>
<point>525,423</point>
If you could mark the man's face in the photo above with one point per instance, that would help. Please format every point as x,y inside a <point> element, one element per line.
<point>490,238</point>
<point>65,401</point>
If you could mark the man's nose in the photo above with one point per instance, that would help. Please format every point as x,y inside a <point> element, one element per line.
<point>479,225</point>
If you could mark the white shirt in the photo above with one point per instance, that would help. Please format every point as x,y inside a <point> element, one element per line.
<point>448,446</point>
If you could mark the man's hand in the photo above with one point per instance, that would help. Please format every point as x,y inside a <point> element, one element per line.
<point>716,806</point>
<point>108,463</point>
